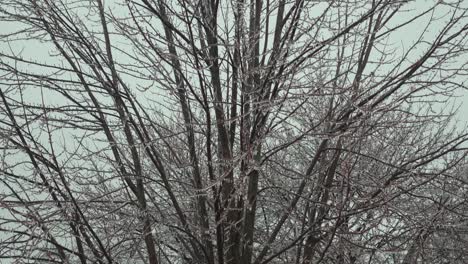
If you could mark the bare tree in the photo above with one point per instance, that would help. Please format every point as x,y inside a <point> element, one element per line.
<point>232,132</point>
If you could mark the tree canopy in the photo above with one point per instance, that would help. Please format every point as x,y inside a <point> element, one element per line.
<point>233,132</point>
